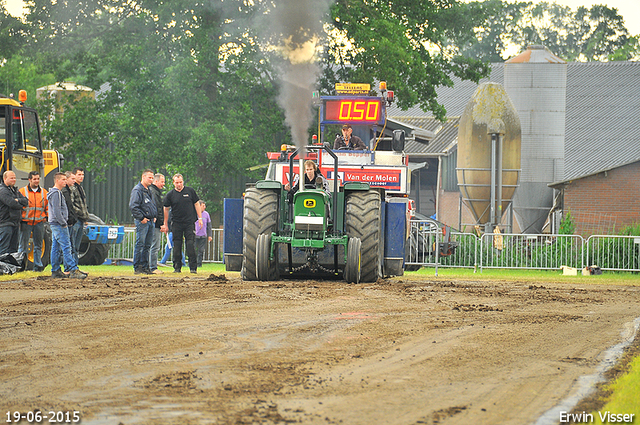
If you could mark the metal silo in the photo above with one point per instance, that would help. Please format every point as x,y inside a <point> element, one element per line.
<point>536,81</point>
<point>488,154</point>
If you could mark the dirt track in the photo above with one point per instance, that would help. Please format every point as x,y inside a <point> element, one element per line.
<point>200,350</point>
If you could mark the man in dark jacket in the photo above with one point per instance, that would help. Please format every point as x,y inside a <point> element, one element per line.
<point>348,141</point>
<point>156,193</point>
<point>11,204</point>
<point>79,207</point>
<point>143,209</point>
<point>71,217</point>
<point>66,192</point>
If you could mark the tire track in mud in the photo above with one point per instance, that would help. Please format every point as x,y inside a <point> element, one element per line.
<point>194,350</point>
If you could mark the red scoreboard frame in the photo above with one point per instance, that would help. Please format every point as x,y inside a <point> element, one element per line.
<point>353,110</point>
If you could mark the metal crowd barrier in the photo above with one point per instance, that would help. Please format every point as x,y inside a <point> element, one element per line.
<point>615,253</point>
<point>506,250</point>
<point>420,244</point>
<point>521,251</point>
<point>124,250</point>
<point>424,236</point>
<point>525,251</point>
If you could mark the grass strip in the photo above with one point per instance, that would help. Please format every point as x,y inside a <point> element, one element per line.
<point>623,398</point>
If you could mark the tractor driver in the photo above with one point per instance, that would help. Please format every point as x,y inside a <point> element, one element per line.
<point>347,141</point>
<point>311,173</point>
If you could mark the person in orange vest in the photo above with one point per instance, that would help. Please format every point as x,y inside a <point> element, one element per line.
<point>34,216</point>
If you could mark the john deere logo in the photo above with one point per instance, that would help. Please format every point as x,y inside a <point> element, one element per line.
<point>309,203</point>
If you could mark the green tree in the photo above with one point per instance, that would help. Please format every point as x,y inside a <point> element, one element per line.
<point>180,85</point>
<point>494,35</point>
<point>12,34</point>
<point>587,34</point>
<point>606,32</point>
<point>630,51</point>
<point>186,86</point>
<point>567,224</point>
<point>412,44</point>
<point>20,73</point>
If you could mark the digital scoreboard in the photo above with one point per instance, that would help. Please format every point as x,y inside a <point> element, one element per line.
<point>353,110</point>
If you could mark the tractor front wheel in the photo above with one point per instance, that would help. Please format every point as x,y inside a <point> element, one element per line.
<point>265,268</point>
<point>352,269</point>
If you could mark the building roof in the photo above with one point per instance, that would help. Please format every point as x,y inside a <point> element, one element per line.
<point>422,135</point>
<point>454,99</point>
<point>536,54</point>
<point>602,115</point>
<point>444,139</point>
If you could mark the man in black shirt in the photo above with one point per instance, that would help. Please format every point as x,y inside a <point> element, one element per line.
<point>185,210</point>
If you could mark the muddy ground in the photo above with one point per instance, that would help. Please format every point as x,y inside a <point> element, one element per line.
<point>213,349</point>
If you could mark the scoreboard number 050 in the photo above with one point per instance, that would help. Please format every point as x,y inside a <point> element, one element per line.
<point>353,110</point>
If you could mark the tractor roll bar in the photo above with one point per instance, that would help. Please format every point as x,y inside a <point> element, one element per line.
<point>335,173</point>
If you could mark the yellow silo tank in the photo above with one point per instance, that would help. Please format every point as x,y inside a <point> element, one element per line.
<point>489,110</point>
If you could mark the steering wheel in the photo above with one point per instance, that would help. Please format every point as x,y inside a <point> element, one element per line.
<point>309,186</point>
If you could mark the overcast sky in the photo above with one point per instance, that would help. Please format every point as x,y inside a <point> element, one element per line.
<point>629,9</point>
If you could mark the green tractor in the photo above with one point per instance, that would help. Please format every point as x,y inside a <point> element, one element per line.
<point>314,233</point>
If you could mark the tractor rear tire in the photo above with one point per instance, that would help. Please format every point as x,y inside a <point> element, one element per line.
<point>260,216</point>
<point>362,220</point>
<point>265,268</point>
<point>352,270</point>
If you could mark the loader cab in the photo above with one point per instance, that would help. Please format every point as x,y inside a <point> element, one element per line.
<point>20,139</point>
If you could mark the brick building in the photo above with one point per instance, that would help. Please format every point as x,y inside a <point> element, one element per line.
<point>604,202</point>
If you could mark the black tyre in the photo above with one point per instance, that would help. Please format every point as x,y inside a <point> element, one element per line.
<point>353,268</point>
<point>260,216</point>
<point>362,220</point>
<point>91,253</point>
<point>46,249</point>
<point>265,268</point>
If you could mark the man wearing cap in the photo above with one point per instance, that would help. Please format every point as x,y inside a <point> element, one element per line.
<point>348,141</point>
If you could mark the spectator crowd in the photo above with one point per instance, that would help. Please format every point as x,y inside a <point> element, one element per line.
<point>25,212</point>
